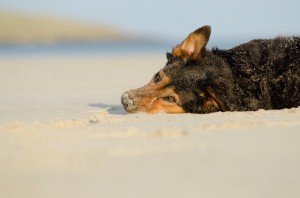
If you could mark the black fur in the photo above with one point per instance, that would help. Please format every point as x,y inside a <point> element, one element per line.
<point>260,74</point>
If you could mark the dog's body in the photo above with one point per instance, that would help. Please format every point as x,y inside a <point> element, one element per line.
<point>261,74</point>
<point>266,74</point>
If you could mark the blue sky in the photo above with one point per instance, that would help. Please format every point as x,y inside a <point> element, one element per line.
<point>175,19</point>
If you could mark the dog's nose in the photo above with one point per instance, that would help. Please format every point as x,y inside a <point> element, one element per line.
<point>127,102</point>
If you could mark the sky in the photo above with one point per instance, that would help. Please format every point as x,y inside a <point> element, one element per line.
<point>176,19</point>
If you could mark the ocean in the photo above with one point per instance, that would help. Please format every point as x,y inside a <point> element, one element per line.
<point>98,48</point>
<point>102,48</point>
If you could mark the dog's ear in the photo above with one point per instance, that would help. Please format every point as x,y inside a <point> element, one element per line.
<point>169,56</point>
<point>211,101</point>
<point>192,47</point>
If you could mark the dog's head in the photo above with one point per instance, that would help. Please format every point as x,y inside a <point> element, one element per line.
<point>191,82</point>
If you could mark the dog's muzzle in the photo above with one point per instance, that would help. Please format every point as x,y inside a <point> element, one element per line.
<point>127,102</point>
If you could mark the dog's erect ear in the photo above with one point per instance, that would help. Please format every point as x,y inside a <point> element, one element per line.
<point>192,47</point>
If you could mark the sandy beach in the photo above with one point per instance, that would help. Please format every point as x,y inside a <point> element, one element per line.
<point>63,133</point>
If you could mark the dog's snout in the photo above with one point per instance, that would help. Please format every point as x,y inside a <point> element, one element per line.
<point>127,102</point>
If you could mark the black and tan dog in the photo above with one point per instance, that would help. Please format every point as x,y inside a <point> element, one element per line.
<point>260,74</point>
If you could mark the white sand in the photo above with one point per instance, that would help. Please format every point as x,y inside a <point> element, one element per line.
<point>64,134</point>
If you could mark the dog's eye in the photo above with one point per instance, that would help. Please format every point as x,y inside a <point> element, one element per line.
<point>170,99</point>
<point>157,78</point>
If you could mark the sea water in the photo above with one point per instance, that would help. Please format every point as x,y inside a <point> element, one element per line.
<point>98,48</point>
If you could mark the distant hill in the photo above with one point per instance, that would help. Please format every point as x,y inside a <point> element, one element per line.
<point>26,29</point>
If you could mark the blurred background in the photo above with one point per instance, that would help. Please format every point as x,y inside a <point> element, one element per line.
<point>86,26</point>
<point>64,65</point>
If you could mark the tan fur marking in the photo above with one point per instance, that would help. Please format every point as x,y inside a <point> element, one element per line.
<point>149,97</point>
<point>160,105</point>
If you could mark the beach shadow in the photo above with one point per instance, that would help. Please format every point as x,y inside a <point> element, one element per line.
<point>111,109</point>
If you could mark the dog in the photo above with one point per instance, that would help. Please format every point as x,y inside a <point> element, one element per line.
<point>260,74</point>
